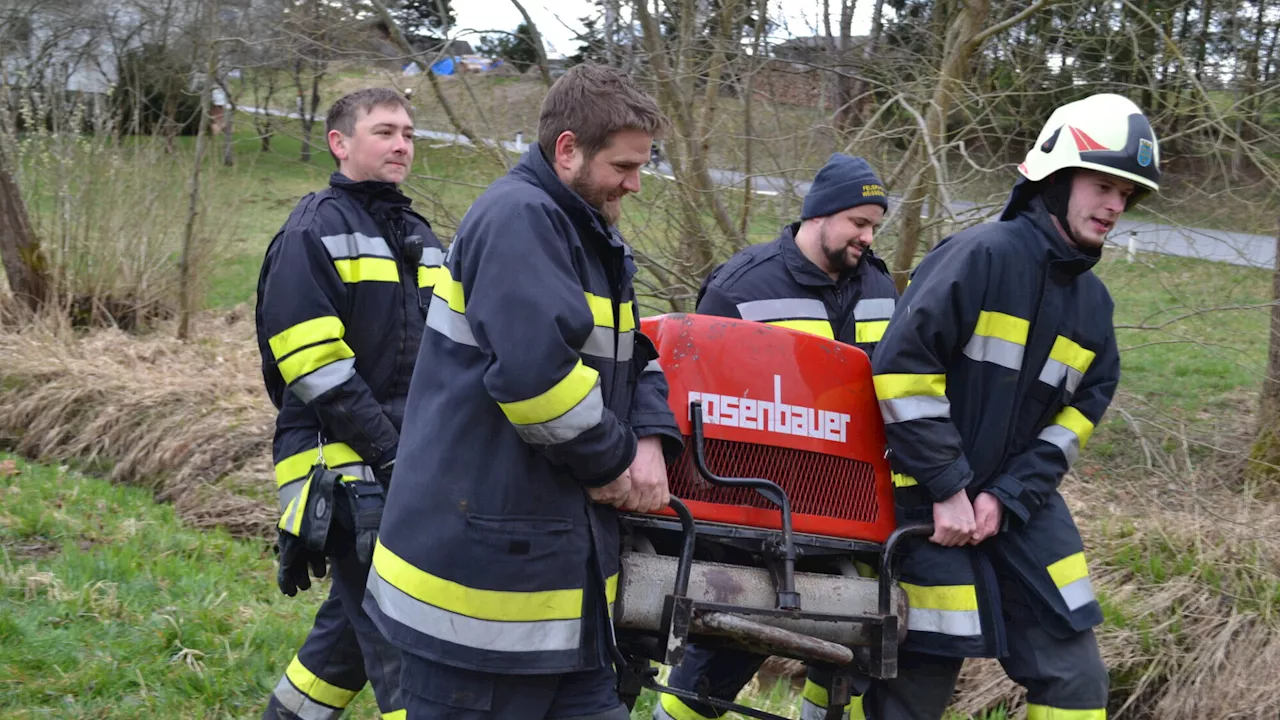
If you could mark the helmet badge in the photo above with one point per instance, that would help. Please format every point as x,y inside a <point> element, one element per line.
<point>1145,150</point>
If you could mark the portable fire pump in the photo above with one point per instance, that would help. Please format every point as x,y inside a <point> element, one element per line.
<point>780,535</point>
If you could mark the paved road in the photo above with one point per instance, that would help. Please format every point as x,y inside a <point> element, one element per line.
<point>1225,246</point>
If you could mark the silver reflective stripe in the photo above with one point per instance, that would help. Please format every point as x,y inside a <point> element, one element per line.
<point>287,492</point>
<point>984,348</point>
<point>652,366</point>
<point>432,257</point>
<point>874,309</point>
<point>915,407</point>
<point>961,623</point>
<point>358,471</point>
<point>626,346</point>
<point>356,245</point>
<point>536,636</point>
<point>1064,439</point>
<point>302,706</point>
<point>783,309</point>
<point>1078,593</point>
<point>318,382</point>
<point>811,711</point>
<point>288,520</point>
<point>579,419</point>
<point>453,325</point>
<point>1055,371</point>
<point>599,343</point>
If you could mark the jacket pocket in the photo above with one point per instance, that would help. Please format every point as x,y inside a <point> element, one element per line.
<point>530,538</point>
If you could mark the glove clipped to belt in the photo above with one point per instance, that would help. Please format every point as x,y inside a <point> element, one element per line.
<point>330,517</point>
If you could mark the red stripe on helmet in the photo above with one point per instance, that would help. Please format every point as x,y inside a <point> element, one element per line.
<point>1084,143</point>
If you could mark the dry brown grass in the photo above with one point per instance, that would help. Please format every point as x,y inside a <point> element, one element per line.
<point>189,420</point>
<point>1191,584</point>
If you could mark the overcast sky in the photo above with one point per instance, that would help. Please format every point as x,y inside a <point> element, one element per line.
<point>557,20</point>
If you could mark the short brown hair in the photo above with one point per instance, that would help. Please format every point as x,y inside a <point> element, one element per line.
<point>343,113</point>
<point>594,102</point>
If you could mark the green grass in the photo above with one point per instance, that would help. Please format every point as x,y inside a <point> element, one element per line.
<point>110,608</point>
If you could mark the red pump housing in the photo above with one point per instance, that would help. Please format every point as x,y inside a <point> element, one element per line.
<point>782,405</point>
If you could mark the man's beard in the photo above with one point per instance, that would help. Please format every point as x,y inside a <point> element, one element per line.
<point>596,197</point>
<point>837,258</point>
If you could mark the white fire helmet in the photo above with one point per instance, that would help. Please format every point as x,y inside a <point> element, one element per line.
<point>1105,132</point>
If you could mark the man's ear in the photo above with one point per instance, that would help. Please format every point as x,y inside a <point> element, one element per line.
<point>566,150</point>
<point>337,144</point>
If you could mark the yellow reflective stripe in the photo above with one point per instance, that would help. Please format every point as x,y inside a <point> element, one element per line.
<point>298,465</point>
<point>1072,355</point>
<point>675,709</point>
<point>1075,421</point>
<point>1068,570</point>
<point>871,331</point>
<point>611,588</point>
<point>821,328</point>
<point>395,715</point>
<point>308,332</point>
<point>903,480</point>
<point>1006,327</point>
<point>602,312</point>
<point>557,401</point>
<point>367,269</point>
<point>450,290</point>
<point>429,276</point>
<point>941,597</point>
<point>815,693</point>
<point>501,605</point>
<point>317,689</point>
<point>312,359</point>
<point>1044,712</point>
<point>903,385</point>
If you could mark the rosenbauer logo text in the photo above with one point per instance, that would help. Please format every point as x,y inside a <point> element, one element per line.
<point>773,416</point>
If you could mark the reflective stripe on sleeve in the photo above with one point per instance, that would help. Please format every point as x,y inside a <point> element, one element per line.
<point>308,360</point>
<point>450,323</point>
<point>906,396</point>
<point>572,406</point>
<point>1045,712</point>
<point>671,707</point>
<point>305,334</point>
<point>1067,362</point>
<point>313,687</point>
<point>1069,433</point>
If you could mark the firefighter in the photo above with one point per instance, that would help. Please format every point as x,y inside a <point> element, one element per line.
<point>818,276</point>
<point>341,308</point>
<point>997,366</point>
<point>537,410</point>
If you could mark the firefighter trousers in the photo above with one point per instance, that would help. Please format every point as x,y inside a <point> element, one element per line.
<point>343,650</point>
<point>1060,674</point>
<point>435,691</point>
<point>726,672</point>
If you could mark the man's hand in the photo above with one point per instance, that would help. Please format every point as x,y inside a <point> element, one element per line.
<point>953,523</point>
<point>615,493</point>
<point>643,487</point>
<point>987,513</point>
<point>648,471</point>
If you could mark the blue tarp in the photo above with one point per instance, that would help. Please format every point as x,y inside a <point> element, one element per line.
<point>443,67</point>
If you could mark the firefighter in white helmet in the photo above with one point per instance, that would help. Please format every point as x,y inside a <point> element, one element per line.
<point>997,365</point>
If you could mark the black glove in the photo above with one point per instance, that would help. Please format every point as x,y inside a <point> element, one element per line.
<point>295,560</point>
<point>303,531</point>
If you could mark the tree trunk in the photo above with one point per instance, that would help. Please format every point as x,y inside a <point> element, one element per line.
<point>538,47</point>
<point>185,292</point>
<point>1266,449</point>
<point>963,37</point>
<point>844,84</point>
<point>860,96</point>
<point>25,265</point>
<point>228,141</point>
